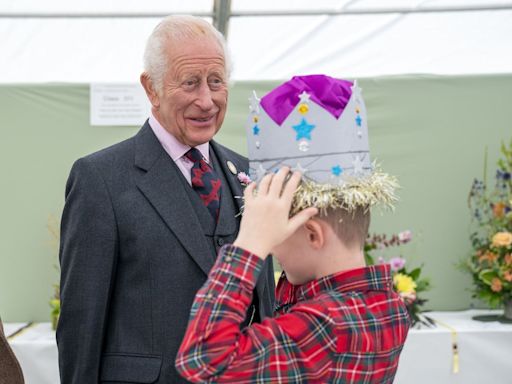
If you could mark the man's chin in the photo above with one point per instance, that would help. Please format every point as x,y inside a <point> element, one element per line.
<point>198,140</point>
<point>201,136</point>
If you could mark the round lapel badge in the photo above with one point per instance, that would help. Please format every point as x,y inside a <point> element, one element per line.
<point>231,167</point>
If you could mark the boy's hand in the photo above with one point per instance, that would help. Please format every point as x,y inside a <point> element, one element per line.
<point>265,221</point>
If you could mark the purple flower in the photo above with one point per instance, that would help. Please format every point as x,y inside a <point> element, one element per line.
<point>502,175</point>
<point>405,236</point>
<point>397,263</point>
<point>244,178</point>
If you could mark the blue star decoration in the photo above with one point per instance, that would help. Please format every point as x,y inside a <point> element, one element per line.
<point>256,130</point>
<point>336,170</point>
<point>358,120</point>
<point>303,130</point>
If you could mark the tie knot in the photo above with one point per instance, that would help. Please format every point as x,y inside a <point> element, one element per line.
<point>194,155</point>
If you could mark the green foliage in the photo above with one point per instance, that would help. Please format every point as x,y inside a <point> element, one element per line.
<point>55,305</point>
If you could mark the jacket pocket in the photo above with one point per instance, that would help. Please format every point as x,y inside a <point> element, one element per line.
<point>117,367</point>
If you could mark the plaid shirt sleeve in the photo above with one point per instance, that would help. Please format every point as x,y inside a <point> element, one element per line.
<point>289,348</point>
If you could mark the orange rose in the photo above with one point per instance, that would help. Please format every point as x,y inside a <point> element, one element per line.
<point>508,259</point>
<point>488,256</point>
<point>499,209</point>
<point>507,275</point>
<point>496,285</point>
<point>502,239</point>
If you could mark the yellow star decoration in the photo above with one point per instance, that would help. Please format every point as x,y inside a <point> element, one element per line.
<point>255,119</point>
<point>404,283</point>
<point>358,110</point>
<point>303,109</point>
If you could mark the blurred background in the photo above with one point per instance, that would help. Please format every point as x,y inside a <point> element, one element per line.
<point>436,78</point>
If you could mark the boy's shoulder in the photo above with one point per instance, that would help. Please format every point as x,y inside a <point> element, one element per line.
<point>360,322</point>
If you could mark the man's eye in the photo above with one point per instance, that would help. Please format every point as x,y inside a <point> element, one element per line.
<point>215,83</point>
<point>189,83</point>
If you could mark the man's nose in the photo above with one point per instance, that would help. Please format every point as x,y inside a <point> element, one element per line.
<point>204,98</point>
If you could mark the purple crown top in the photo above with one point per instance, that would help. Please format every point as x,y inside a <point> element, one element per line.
<point>332,94</point>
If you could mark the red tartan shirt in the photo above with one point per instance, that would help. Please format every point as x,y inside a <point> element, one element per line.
<point>349,327</point>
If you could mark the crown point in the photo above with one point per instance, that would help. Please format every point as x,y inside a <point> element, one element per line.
<point>254,103</point>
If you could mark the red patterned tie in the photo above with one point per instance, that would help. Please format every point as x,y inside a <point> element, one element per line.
<point>205,182</point>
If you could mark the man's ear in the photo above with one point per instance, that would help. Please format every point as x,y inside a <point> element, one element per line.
<point>315,232</point>
<point>149,87</point>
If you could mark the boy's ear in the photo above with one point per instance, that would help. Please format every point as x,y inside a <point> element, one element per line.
<point>315,232</point>
<point>149,87</point>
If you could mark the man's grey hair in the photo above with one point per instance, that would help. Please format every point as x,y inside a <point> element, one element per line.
<point>172,29</point>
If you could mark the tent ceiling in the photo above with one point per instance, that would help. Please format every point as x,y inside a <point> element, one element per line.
<point>104,49</point>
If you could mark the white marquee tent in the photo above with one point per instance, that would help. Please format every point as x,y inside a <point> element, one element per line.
<point>102,41</point>
<point>430,126</point>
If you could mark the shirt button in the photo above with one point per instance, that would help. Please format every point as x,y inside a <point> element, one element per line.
<point>220,241</point>
<point>209,296</point>
<point>228,259</point>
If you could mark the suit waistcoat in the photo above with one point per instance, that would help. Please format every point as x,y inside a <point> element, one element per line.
<point>226,230</point>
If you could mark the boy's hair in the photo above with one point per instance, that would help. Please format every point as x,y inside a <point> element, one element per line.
<point>350,227</point>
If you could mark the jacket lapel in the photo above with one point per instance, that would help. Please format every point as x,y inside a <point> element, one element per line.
<point>162,187</point>
<point>236,189</point>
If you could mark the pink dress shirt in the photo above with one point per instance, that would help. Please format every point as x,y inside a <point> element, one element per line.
<point>175,149</point>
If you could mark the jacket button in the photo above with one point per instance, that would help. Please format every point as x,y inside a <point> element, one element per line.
<point>220,241</point>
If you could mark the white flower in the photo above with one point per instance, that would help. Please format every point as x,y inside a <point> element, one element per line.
<point>405,236</point>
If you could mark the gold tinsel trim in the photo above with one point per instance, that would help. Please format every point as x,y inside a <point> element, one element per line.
<point>377,188</point>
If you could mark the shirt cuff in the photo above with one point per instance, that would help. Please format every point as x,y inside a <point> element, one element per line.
<point>240,264</point>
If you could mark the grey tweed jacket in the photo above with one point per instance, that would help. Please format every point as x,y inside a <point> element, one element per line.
<point>133,253</point>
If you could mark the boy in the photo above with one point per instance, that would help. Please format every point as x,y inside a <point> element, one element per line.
<point>338,321</point>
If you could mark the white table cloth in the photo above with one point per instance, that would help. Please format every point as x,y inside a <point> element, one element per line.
<point>485,352</point>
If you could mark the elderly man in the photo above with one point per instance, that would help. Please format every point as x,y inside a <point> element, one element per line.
<point>144,219</point>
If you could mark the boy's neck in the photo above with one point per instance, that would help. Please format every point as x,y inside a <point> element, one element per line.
<point>339,259</point>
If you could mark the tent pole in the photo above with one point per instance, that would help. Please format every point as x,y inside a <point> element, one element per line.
<point>222,12</point>
<point>221,15</point>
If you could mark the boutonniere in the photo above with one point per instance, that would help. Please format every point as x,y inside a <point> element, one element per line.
<point>244,179</point>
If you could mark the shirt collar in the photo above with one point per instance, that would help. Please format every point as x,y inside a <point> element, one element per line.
<point>172,146</point>
<point>372,278</point>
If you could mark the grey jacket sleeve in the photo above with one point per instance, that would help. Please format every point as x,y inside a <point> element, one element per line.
<point>88,249</point>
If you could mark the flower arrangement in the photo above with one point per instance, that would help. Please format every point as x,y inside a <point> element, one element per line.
<point>408,283</point>
<point>490,262</point>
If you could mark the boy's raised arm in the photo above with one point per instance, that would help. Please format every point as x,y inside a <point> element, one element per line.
<point>216,349</point>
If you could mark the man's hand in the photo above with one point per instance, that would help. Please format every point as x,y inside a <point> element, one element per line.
<point>265,221</point>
